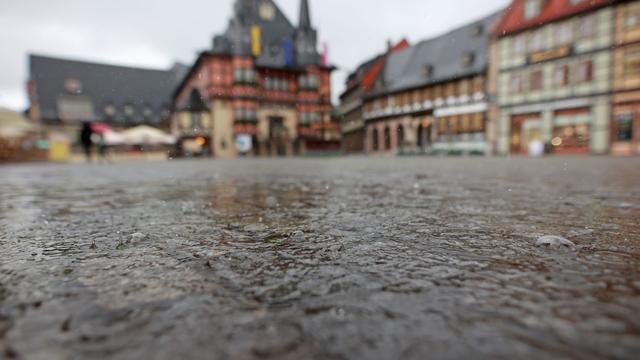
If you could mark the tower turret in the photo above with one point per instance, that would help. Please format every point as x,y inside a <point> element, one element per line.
<point>306,38</point>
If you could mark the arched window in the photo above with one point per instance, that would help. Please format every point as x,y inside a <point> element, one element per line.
<point>374,141</point>
<point>420,135</point>
<point>387,138</point>
<point>400,133</point>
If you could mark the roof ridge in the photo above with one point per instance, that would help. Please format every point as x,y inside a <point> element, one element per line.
<point>96,63</point>
<point>460,28</point>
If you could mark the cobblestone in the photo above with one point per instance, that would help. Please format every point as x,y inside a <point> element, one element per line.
<point>326,259</point>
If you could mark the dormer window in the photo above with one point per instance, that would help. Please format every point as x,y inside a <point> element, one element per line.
<point>427,71</point>
<point>478,30</point>
<point>532,8</point>
<point>468,59</point>
<point>147,112</point>
<point>110,110</point>
<point>73,86</point>
<point>129,110</point>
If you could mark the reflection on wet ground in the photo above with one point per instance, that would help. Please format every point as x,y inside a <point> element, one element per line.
<point>327,259</point>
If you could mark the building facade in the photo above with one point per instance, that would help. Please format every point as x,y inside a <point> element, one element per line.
<point>265,85</point>
<point>553,67</point>
<point>625,123</point>
<point>359,83</point>
<point>432,96</point>
<point>63,93</point>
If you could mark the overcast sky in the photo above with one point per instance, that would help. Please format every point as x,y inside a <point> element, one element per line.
<point>157,33</point>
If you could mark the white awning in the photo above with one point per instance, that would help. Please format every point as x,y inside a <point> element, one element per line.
<point>147,135</point>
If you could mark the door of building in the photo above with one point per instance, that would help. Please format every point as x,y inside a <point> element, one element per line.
<point>525,129</point>
<point>278,137</point>
<point>424,133</point>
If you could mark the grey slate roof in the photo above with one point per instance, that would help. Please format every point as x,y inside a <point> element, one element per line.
<point>237,38</point>
<point>444,54</point>
<point>105,85</point>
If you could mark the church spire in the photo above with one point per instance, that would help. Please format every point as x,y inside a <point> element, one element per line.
<point>305,17</point>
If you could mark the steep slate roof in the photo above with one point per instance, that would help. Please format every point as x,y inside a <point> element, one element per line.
<point>367,72</point>
<point>514,21</point>
<point>405,69</point>
<point>104,85</point>
<point>237,38</point>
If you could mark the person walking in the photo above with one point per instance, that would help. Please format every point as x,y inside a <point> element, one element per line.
<point>85,139</point>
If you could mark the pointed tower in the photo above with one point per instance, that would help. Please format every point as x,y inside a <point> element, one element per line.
<point>305,17</point>
<point>306,38</point>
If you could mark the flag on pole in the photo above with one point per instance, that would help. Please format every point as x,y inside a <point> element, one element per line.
<point>325,54</point>
<point>256,35</point>
<point>289,53</point>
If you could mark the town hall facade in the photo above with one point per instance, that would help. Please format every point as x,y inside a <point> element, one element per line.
<point>263,88</point>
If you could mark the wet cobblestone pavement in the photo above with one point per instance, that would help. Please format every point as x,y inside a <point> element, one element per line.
<point>321,259</point>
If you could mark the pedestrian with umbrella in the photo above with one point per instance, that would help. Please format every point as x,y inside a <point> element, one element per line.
<point>85,139</point>
<point>100,130</point>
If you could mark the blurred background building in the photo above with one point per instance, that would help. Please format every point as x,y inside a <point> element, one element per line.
<point>20,139</point>
<point>64,93</point>
<point>625,126</point>
<point>431,97</point>
<point>262,89</point>
<point>554,71</point>
<point>554,76</point>
<point>359,84</point>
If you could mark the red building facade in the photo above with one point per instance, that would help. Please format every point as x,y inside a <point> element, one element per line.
<point>270,96</point>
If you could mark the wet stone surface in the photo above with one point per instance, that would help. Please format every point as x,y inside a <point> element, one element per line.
<point>321,259</point>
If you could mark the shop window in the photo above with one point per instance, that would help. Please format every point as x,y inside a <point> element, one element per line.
<point>535,80</point>
<point>478,122</point>
<point>624,127</point>
<point>453,124</point>
<point>442,126</point>
<point>632,62</point>
<point>571,137</point>
<point>465,123</point>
